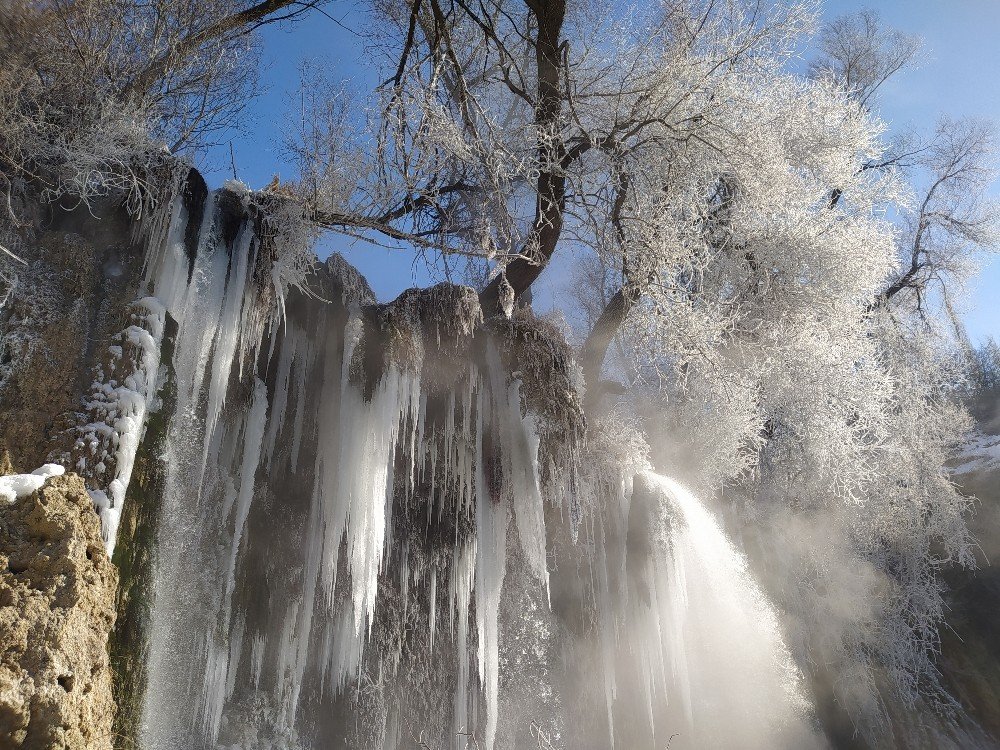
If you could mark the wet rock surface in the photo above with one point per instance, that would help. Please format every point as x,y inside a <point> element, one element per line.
<point>55,321</point>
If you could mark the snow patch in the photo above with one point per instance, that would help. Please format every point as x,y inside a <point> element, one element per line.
<point>980,453</point>
<point>15,486</point>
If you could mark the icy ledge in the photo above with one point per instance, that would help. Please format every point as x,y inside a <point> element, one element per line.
<point>16,486</point>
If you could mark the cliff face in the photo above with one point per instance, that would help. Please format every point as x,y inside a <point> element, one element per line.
<point>61,316</point>
<point>57,609</point>
<point>71,296</point>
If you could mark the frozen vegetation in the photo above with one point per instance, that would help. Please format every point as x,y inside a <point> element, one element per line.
<point>718,508</point>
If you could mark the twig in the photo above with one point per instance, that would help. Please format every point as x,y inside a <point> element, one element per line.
<point>232,160</point>
<point>18,259</point>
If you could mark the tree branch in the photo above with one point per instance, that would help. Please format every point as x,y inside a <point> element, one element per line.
<point>342,222</point>
<point>243,22</point>
<point>550,202</point>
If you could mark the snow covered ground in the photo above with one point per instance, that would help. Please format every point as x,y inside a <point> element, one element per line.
<point>981,453</point>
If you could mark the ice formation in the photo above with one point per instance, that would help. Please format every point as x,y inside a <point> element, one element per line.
<point>14,486</point>
<point>378,522</point>
<point>116,413</point>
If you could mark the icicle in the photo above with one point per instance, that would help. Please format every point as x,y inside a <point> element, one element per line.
<point>433,608</point>
<point>201,312</point>
<point>165,265</point>
<point>491,564</point>
<point>462,575</point>
<point>253,438</point>
<point>228,329</point>
<point>257,660</point>
<point>365,487</point>
<point>607,635</point>
<point>276,419</point>
<point>529,507</point>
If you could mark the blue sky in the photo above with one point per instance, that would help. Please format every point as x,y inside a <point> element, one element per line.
<point>959,76</point>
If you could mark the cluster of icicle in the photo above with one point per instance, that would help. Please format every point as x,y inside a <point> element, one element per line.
<point>285,480</point>
<point>217,450</point>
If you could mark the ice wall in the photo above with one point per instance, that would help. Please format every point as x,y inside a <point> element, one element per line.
<point>330,463</point>
<point>382,526</point>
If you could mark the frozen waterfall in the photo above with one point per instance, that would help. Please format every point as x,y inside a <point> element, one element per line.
<point>379,528</point>
<point>710,642</point>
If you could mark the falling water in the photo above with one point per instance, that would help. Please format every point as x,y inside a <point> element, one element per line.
<point>713,640</point>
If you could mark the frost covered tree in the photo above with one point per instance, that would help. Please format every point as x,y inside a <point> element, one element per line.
<point>510,132</point>
<point>949,220</point>
<point>861,53</point>
<point>92,92</point>
<point>721,199</point>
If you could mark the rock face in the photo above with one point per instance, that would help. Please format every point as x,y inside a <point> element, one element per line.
<point>72,297</point>
<point>57,607</point>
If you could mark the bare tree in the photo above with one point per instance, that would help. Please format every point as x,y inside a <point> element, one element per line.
<point>954,218</point>
<point>90,87</point>
<point>861,53</point>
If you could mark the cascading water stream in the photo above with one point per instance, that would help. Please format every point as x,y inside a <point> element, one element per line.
<point>710,641</point>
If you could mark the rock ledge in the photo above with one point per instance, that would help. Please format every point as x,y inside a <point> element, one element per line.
<point>57,607</point>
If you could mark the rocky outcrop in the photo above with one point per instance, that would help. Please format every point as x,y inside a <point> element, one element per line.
<point>57,607</point>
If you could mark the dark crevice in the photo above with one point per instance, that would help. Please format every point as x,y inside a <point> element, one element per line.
<point>195,199</point>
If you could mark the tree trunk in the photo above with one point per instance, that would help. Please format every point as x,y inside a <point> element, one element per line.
<point>551,185</point>
<point>595,348</point>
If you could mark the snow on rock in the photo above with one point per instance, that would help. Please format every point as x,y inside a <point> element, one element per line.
<point>980,453</point>
<point>236,186</point>
<point>113,421</point>
<point>15,486</point>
